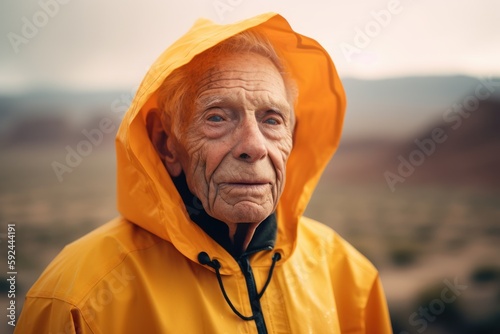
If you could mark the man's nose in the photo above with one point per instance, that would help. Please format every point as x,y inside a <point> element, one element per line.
<point>250,142</point>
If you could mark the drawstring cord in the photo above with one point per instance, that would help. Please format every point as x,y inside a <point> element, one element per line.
<point>204,259</point>
<point>276,258</point>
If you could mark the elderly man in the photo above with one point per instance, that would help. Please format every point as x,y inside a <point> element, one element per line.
<point>210,240</point>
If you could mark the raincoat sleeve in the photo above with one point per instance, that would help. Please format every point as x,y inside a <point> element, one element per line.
<point>47,315</point>
<point>377,314</point>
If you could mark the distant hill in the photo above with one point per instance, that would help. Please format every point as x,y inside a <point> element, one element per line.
<point>461,149</point>
<point>470,152</point>
<point>56,117</point>
<point>398,107</point>
<point>389,109</point>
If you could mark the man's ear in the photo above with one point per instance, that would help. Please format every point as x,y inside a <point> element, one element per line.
<point>163,143</point>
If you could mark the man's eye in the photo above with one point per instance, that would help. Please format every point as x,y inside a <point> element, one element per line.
<point>272,117</point>
<point>272,121</point>
<point>215,118</point>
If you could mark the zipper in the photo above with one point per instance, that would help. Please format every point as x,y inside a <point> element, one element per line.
<point>253,295</point>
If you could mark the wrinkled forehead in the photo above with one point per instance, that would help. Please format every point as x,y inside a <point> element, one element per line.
<point>251,72</point>
<point>211,71</point>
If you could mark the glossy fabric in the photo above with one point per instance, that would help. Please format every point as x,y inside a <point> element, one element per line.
<point>140,272</point>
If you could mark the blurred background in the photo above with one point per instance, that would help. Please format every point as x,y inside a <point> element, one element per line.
<point>414,185</point>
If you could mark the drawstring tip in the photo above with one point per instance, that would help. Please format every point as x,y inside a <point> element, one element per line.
<point>276,257</point>
<point>204,259</point>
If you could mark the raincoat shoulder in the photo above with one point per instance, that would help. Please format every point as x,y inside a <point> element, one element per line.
<point>359,295</point>
<point>85,278</point>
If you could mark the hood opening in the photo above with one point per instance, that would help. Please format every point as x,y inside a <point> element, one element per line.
<point>147,195</point>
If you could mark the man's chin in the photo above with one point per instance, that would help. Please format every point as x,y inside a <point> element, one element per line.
<point>243,212</point>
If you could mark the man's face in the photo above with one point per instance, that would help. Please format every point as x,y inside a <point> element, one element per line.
<point>238,139</point>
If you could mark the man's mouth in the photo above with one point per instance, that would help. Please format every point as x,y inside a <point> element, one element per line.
<point>254,182</point>
<point>247,184</point>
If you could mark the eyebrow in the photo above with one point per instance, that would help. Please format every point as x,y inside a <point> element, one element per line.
<point>209,101</point>
<point>214,100</point>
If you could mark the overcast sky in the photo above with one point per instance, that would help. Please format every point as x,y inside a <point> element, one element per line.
<point>91,44</point>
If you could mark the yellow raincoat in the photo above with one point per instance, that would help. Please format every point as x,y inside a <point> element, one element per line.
<point>141,273</point>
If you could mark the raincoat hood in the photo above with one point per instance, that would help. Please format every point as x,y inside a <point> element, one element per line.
<point>146,194</point>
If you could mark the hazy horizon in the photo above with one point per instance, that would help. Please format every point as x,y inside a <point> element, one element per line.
<point>95,45</point>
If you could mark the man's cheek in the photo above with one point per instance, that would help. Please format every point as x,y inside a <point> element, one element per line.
<point>278,165</point>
